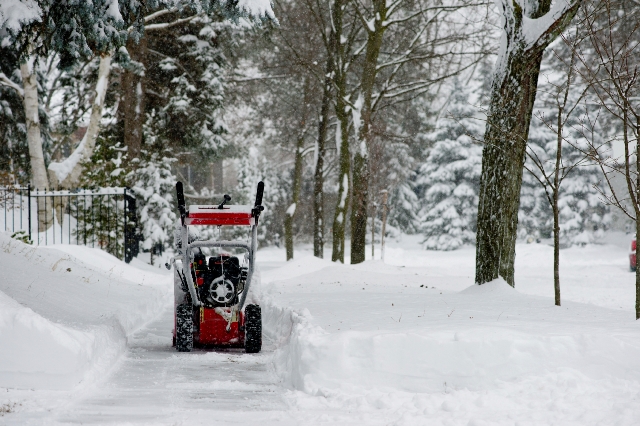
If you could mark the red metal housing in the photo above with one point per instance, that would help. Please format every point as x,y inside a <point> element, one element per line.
<point>213,328</point>
<point>211,215</point>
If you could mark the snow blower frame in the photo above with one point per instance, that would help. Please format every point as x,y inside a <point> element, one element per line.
<point>209,296</point>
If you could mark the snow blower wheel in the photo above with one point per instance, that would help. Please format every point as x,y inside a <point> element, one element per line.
<point>184,328</point>
<point>252,329</point>
<point>211,284</point>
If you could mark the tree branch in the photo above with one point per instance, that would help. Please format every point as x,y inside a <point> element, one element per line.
<point>4,80</point>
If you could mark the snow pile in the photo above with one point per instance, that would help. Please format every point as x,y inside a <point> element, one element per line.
<point>395,344</point>
<point>39,353</point>
<point>66,312</point>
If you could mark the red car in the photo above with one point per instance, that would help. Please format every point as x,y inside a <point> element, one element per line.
<point>632,256</point>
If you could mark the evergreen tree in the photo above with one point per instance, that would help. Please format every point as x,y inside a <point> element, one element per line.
<point>154,187</point>
<point>450,176</point>
<point>535,217</point>
<point>583,215</point>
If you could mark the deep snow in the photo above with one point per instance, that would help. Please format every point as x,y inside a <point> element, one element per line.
<point>412,341</point>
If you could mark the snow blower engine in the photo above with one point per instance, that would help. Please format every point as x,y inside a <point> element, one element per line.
<point>210,294</point>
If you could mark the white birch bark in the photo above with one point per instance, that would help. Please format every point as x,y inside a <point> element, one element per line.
<point>66,174</point>
<point>32,119</point>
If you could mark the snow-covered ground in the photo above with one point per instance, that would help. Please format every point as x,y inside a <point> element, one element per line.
<point>408,342</point>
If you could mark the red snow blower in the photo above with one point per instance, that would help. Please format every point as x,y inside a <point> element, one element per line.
<point>210,293</point>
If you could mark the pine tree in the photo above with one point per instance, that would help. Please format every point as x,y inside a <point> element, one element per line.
<point>535,217</point>
<point>450,176</point>
<point>583,215</point>
<point>154,188</point>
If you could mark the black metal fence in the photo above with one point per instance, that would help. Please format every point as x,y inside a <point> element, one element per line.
<point>104,218</point>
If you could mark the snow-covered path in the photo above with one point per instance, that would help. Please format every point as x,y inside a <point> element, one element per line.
<point>408,342</point>
<point>156,385</point>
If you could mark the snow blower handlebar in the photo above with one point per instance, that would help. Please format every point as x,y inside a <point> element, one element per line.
<point>181,204</point>
<point>186,247</point>
<point>184,236</point>
<point>255,212</point>
<point>258,208</point>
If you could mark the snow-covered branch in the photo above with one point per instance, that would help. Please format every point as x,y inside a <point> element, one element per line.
<point>16,13</point>
<point>159,13</point>
<point>541,31</point>
<point>165,25</point>
<point>67,172</point>
<point>4,80</point>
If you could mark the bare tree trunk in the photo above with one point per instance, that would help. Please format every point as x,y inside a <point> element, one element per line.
<point>340,83</point>
<point>133,90</point>
<point>556,212</point>
<point>359,207</point>
<point>340,215</point>
<point>66,174</point>
<point>361,157</point>
<point>218,176</point>
<point>505,140</point>
<point>295,196</point>
<point>637,213</point>
<point>32,118</point>
<point>318,187</point>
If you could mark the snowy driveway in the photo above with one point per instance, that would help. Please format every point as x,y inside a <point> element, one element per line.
<point>156,385</point>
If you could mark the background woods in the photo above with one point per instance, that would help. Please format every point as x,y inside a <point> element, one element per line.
<point>484,124</point>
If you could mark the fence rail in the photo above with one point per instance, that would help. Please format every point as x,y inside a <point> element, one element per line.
<point>103,217</point>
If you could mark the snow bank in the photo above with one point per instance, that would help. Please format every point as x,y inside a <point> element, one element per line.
<point>384,342</point>
<point>66,311</point>
<point>38,353</point>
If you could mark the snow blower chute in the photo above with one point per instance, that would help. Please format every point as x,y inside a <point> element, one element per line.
<point>210,294</point>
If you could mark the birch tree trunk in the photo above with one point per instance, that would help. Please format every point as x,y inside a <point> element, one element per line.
<point>32,118</point>
<point>34,139</point>
<point>361,156</point>
<point>66,174</point>
<point>512,97</point>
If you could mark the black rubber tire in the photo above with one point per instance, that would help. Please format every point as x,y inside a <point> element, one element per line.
<point>184,328</point>
<point>252,329</point>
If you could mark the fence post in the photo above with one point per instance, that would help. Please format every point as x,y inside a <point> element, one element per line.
<point>29,207</point>
<point>373,230</point>
<point>385,196</point>
<point>131,245</point>
<point>124,230</point>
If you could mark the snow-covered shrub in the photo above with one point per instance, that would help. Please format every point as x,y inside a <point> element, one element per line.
<point>154,187</point>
